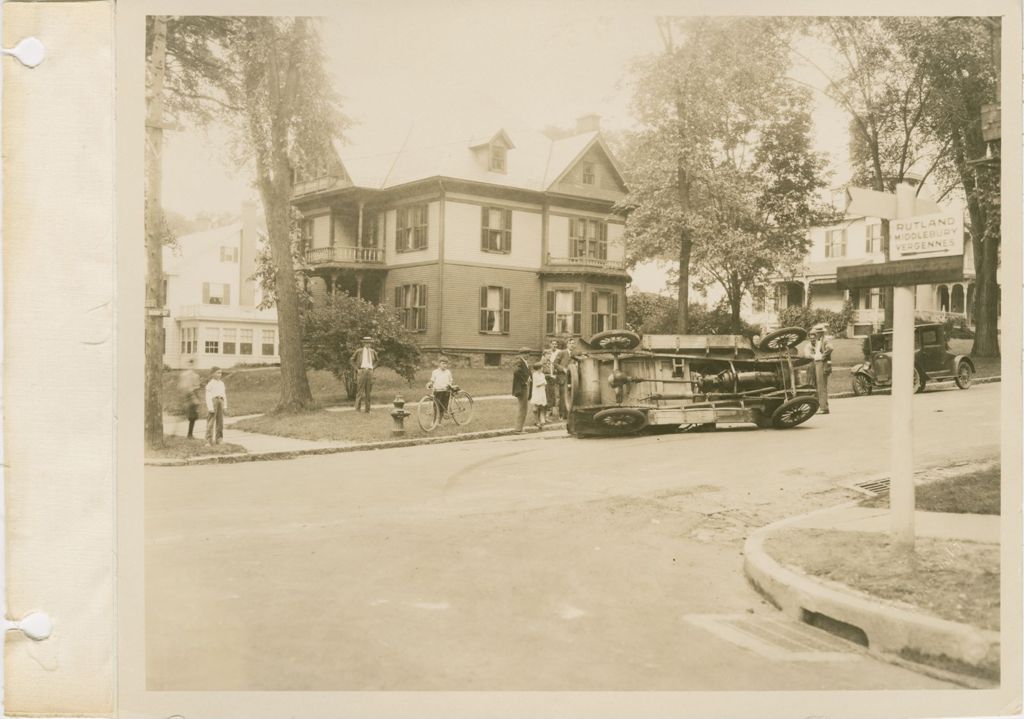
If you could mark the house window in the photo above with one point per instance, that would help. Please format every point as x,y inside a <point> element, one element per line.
<point>372,226</point>
<point>306,228</point>
<point>588,173</point>
<point>604,311</point>
<point>495,229</point>
<point>216,293</point>
<point>499,157</point>
<point>228,254</point>
<point>759,295</point>
<point>588,238</point>
<point>874,299</point>
<point>245,343</point>
<point>267,346</point>
<point>211,337</point>
<point>411,302</point>
<point>564,312</point>
<point>492,359</point>
<point>873,239</point>
<point>411,228</point>
<point>495,310</point>
<point>835,243</point>
<point>229,336</point>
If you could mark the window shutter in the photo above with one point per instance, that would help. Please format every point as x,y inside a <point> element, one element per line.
<point>507,226</point>
<point>577,312</point>
<point>506,310</point>
<point>614,309</point>
<point>483,309</point>
<point>485,216</point>
<point>422,324</point>
<point>226,297</point>
<point>206,292</point>
<point>843,253</point>
<point>602,238</point>
<point>549,324</point>
<point>593,313</point>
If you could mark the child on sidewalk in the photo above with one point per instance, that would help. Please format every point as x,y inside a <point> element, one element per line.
<point>539,396</point>
<point>441,382</point>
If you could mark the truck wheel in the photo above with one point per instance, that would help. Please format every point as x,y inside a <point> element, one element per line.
<point>572,386</point>
<point>918,381</point>
<point>794,412</point>
<point>861,385</point>
<point>615,340</point>
<point>621,420</point>
<point>783,339</point>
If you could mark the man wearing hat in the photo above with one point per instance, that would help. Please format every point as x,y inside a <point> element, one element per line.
<point>522,384</point>
<point>819,349</point>
<point>364,361</point>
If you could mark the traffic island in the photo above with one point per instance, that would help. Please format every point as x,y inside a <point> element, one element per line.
<point>938,607</point>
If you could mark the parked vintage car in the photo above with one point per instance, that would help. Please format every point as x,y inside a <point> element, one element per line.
<point>622,383</point>
<point>932,361</point>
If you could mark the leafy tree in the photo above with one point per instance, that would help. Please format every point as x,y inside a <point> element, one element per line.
<point>960,59</point>
<point>722,173</point>
<point>334,331</point>
<point>649,313</point>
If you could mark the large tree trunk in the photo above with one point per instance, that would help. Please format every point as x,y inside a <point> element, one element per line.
<point>683,307</point>
<point>154,422</point>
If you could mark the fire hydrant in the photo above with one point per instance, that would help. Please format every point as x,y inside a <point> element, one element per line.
<point>399,414</point>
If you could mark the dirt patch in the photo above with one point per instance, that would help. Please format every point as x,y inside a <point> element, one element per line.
<point>183,448</point>
<point>951,579</point>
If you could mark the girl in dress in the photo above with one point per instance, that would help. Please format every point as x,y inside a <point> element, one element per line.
<point>539,396</point>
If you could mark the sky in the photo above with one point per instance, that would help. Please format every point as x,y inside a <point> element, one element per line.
<point>545,63</point>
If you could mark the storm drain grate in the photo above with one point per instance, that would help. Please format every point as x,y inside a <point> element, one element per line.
<point>874,487</point>
<point>776,638</point>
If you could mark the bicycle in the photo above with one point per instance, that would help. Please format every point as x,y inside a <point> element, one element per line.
<point>460,408</point>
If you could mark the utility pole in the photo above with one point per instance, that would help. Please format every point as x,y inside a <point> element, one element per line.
<point>155,66</point>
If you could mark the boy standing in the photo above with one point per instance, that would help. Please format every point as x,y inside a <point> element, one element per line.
<point>216,405</point>
<point>441,383</point>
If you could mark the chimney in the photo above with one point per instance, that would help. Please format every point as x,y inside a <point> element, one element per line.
<point>247,253</point>
<point>591,122</point>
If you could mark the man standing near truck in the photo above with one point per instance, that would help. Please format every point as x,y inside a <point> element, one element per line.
<point>819,349</point>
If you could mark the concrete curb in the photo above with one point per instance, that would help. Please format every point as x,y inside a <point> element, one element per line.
<point>977,380</point>
<point>365,446</point>
<point>890,629</point>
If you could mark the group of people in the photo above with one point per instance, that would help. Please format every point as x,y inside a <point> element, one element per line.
<point>541,385</point>
<point>193,394</point>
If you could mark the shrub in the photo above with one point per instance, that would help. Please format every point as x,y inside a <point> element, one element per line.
<point>653,314</point>
<point>334,331</point>
<point>807,317</point>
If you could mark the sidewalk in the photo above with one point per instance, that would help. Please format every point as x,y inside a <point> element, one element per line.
<point>890,629</point>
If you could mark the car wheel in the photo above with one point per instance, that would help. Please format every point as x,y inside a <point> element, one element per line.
<point>861,385</point>
<point>615,340</point>
<point>621,420</point>
<point>964,374</point>
<point>918,381</point>
<point>783,339</point>
<point>794,412</point>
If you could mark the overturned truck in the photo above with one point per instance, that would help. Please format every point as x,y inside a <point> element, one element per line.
<point>622,383</point>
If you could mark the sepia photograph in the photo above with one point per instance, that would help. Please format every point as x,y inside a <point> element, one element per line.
<point>534,348</point>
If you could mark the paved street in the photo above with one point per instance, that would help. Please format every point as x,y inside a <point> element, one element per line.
<point>530,562</point>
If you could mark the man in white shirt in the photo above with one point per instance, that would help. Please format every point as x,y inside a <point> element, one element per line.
<point>364,362</point>
<point>819,349</point>
<point>441,381</point>
<point>216,406</point>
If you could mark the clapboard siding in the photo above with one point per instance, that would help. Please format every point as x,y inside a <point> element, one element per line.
<point>419,275</point>
<point>462,307</point>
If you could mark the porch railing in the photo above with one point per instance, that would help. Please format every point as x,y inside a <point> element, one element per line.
<point>592,262</point>
<point>357,255</point>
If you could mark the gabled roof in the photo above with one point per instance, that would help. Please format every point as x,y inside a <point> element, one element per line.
<point>535,162</point>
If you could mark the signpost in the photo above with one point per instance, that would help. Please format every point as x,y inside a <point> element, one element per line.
<point>926,245</point>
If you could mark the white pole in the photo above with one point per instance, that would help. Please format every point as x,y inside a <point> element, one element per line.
<point>901,491</point>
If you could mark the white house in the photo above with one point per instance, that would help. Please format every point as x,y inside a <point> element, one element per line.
<point>213,299</point>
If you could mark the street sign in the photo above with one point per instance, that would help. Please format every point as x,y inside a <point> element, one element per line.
<point>933,235</point>
<point>921,271</point>
<point>871,203</point>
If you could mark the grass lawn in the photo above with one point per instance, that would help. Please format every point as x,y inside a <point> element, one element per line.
<point>973,493</point>
<point>182,448</point>
<point>952,579</point>
<point>252,391</point>
<point>376,426</point>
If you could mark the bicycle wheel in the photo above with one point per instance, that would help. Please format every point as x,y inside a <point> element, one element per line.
<point>460,406</point>
<point>427,414</point>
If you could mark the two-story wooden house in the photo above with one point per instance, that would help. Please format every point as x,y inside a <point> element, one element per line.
<point>483,240</point>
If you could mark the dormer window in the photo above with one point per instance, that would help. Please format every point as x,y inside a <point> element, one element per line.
<point>499,158</point>
<point>588,173</point>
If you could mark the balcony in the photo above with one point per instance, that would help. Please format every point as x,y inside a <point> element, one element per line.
<point>577,265</point>
<point>345,255</point>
